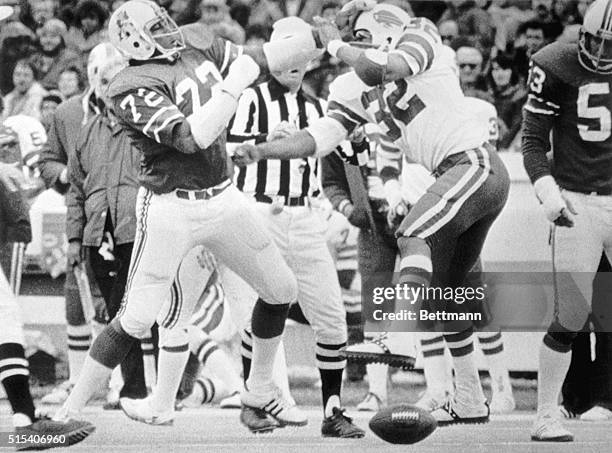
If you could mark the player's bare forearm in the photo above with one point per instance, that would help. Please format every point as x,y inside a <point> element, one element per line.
<point>301,144</point>
<point>393,67</point>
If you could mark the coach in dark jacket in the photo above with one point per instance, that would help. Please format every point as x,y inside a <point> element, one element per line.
<point>101,216</point>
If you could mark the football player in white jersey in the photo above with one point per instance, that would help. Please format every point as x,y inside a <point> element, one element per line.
<point>30,138</point>
<point>405,81</point>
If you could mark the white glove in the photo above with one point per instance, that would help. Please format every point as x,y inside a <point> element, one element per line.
<point>557,208</point>
<point>242,72</point>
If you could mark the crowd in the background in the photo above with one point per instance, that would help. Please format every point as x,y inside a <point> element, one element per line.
<point>45,44</point>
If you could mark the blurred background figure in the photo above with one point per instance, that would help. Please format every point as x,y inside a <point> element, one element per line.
<point>27,94</point>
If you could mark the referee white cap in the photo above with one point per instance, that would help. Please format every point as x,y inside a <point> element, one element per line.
<point>5,12</point>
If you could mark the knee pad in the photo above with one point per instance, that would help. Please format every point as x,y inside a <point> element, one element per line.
<point>558,338</point>
<point>135,326</point>
<point>170,338</point>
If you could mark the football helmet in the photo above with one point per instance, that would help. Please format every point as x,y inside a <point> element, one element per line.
<point>142,30</point>
<point>595,39</point>
<point>381,27</point>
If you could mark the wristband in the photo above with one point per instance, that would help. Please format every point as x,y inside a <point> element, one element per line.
<point>334,46</point>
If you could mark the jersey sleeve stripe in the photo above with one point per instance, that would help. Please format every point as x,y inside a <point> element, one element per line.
<point>155,116</point>
<point>226,56</point>
<point>333,105</point>
<point>347,123</point>
<point>415,41</point>
<point>537,110</point>
<point>165,123</point>
<point>414,53</point>
<point>543,101</point>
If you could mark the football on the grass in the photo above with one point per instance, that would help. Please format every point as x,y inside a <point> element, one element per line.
<point>403,424</point>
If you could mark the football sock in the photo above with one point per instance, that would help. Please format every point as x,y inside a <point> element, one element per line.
<point>468,390</point>
<point>246,352</point>
<point>436,367</point>
<point>79,341</point>
<point>377,380</point>
<point>268,323</point>
<point>14,374</point>
<point>331,366</point>
<point>107,351</point>
<point>172,361</point>
<point>552,369</point>
<point>148,360</point>
<point>415,264</point>
<point>492,347</point>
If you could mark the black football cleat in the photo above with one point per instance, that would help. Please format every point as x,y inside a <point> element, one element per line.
<point>389,348</point>
<point>55,433</point>
<point>257,420</point>
<point>339,425</point>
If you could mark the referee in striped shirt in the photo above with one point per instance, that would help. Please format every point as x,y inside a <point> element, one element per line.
<point>281,191</point>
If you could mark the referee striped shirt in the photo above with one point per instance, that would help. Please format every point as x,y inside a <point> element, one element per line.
<point>260,110</point>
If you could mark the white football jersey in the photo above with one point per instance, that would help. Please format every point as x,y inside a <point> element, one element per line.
<point>424,115</point>
<point>32,137</point>
<point>486,113</point>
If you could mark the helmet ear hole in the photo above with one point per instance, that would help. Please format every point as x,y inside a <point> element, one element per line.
<point>137,45</point>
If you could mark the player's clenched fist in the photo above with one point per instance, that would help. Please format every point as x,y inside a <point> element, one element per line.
<point>349,12</point>
<point>558,208</point>
<point>246,154</point>
<point>325,31</point>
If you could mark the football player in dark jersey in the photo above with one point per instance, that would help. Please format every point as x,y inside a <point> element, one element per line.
<point>570,95</point>
<point>176,98</point>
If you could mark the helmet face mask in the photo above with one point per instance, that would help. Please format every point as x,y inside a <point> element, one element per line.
<point>142,30</point>
<point>596,52</point>
<point>595,40</point>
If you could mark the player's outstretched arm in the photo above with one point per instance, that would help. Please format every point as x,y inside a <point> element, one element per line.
<point>320,138</point>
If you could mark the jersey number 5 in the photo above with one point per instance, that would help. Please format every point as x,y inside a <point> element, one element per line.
<point>596,114</point>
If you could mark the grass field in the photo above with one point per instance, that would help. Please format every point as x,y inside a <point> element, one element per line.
<point>209,429</point>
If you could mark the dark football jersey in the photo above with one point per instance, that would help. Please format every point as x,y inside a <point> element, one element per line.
<point>580,103</point>
<point>154,99</point>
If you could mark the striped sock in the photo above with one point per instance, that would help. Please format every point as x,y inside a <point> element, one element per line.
<point>492,346</point>
<point>436,368</point>
<point>14,374</point>
<point>415,264</point>
<point>467,382</point>
<point>148,360</point>
<point>172,361</point>
<point>79,342</point>
<point>246,351</point>
<point>205,350</point>
<point>331,366</point>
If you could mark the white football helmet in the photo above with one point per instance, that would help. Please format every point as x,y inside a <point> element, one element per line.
<point>100,55</point>
<point>142,30</point>
<point>380,27</point>
<point>596,38</point>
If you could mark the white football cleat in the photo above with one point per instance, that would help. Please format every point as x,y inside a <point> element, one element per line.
<point>59,394</point>
<point>231,402</point>
<point>274,405</point>
<point>141,411</point>
<point>454,413</point>
<point>548,428</point>
<point>596,414</point>
<point>391,348</point>
<point>430,401</point>
<point>371,403</point>
<point>502,403</point>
